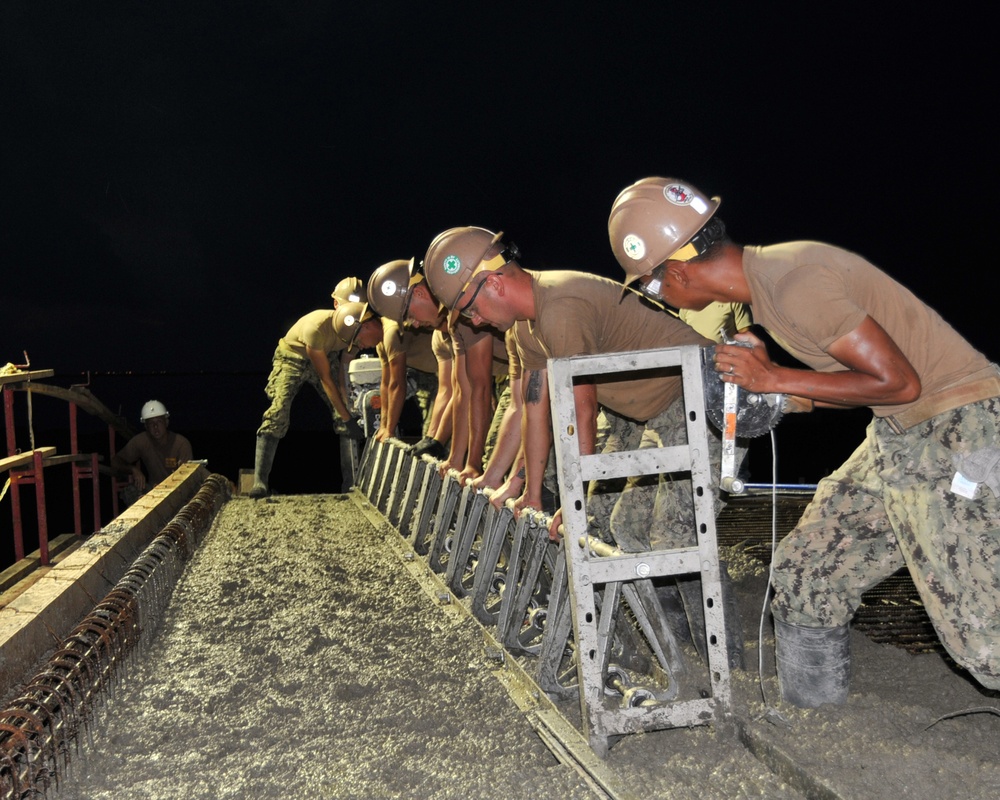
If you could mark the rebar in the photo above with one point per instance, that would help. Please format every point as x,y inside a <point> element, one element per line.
<point>38,727</point>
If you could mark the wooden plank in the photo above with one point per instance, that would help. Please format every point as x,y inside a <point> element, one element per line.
<point>10,462</point>
<point>80,458</point>
<point>30,375</point>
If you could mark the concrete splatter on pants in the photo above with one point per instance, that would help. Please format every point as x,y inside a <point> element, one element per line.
<point>891,505</point>
<point>652,511</point>
<point>288,373</point>
<point>615,434</point>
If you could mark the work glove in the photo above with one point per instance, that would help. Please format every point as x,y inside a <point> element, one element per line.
<point>350,428</point>
<point>430,446</point>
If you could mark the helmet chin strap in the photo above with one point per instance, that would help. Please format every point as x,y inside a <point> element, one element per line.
<point>714,231</point>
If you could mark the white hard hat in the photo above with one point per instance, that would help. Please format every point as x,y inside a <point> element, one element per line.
<point>154,408</point>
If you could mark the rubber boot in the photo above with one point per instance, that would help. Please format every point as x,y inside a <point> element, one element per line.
<point>266,447</point>
<point>814,664</point>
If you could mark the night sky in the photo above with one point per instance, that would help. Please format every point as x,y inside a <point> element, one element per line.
<point>180,181</point>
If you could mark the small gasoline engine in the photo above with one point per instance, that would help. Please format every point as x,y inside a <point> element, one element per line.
<point>364,385</point>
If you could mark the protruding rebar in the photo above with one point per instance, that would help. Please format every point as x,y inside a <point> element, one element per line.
<point>37,728</point>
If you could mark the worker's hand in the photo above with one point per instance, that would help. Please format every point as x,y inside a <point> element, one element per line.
<point>524,502</point>
<point>467,475</point>
<point>746,366</point>
<point>484,481</point>
<point>139,478</point>
<point>554,533</point>
<point>381,434</point>
<point>509,488</point>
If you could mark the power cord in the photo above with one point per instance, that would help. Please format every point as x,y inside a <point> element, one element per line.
<point>770,569</point>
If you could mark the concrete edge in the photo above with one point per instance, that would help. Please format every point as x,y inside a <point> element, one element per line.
<point>784,765</point>
<point>37,620</point>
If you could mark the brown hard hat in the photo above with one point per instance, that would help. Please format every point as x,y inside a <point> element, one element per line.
<point>390,287</point>
<point>348,319</point>
<point>350,290</point>
<point>653,220</point>
<point>455,256</point>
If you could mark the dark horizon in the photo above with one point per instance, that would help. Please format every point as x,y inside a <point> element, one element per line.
<point>179,184</point>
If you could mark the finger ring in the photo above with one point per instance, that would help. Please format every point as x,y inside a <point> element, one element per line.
<point>732,368</point>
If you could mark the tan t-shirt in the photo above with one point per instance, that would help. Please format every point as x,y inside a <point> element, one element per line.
<point>808,294</point>
<point>159,458</point>
<point>577,313</point>
<point>314,330</point>
<point>415,345</point>
<point>465,336</point>
<point>709,320</point>
<point>443,346</point>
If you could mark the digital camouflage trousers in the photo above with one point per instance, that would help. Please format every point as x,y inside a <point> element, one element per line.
<point>892,505</point>
<point>424,390</point>
<point>653,511</point>
<point>503,401</point>
<point>288,373</point>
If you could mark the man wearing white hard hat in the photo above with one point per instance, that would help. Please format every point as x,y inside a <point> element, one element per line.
<point>150,456</point>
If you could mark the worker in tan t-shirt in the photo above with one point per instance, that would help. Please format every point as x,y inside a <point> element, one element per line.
<point>400,293</point>
<point>922,491</point>
<point>150,456</point>
<point>421,355</point>
<point>554,314</point>
<point>310,352</point>
<point>563,313</point>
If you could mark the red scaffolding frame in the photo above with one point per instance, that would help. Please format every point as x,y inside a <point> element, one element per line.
<point>28,468</point>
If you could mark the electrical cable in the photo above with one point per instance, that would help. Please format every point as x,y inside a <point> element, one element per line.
<point>770,569</point>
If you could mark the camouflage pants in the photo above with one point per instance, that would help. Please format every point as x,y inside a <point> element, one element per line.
<point>288,373</point>
<point>503,401</point>
<point>426,386</point>
<point>652,511</point>
<point>891,505</point>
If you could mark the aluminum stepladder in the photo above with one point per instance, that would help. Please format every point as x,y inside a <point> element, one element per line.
<point>604,722</point>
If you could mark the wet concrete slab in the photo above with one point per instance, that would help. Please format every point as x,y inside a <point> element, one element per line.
<point>307,653</point>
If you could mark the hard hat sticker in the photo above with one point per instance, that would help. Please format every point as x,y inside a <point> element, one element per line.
<point>389,288</point>
<point>635,248</point>
<point>452,264</point>
<point>349,320</point>
<point>678,194</point>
